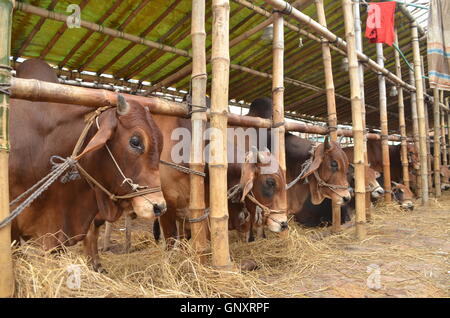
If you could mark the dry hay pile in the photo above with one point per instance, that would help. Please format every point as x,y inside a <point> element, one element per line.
<point>410,249</point>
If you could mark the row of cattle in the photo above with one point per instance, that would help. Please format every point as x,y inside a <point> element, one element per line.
<point>122,151</point>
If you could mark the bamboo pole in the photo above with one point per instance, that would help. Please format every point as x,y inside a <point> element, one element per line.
<point>278,96</point>
<point>448,129</point>
<point>415,121</point>
<point>428,139</point>
<point>443,140</point>
<point>331,103</point>
<point>6,267</point>
<point>420,113</point>
<point>357,120</point>
<point>437,148</point>
<point>330,36</point>
<point>359,47</point>
<point>198,119</point>
<point>101,29</point>
<point>427,126</point>
<point>384,126</point>
<point>34,90</point>
<point>401,119</point>
<point>218,145</point>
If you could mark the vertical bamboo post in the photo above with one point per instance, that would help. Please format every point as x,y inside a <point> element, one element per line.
<point>437,148</point>
<point>448,129</point>
<point>420,113</point>
<point>359,47</point>
<point>357,121</point>
<point>401,118</point>
<point>443,132</point>
<point>427,126</point>
<point>278,92</point>
<point>384,126</point>
<point>220,60</point>
<point>331,103</point>
<point>6,269</point>
<point>198,120</point>
<point>415,124</point>
<point>443,140</point>
<point>429,160</point>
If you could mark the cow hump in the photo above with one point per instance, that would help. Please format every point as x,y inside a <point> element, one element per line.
<point>37,69</point>
<point>261,107</point>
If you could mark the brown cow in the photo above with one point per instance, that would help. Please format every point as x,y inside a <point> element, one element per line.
<point>445,177</point>
<point>177,194</point>
<point>374,155</point>
<point>403,195</point>
<point>317,215</point>
<point>65,212</point>
<point>319,171</point>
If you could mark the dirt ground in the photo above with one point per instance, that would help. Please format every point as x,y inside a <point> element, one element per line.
<point>405,254</point>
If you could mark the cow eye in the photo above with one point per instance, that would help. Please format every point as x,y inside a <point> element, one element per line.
<point>136,143</point>
<point>268,188</point>
<point>271,183</point>
<point>334,165</point>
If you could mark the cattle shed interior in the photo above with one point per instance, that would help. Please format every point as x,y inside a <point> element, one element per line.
<point>86,56</point>
<point>153,52</point>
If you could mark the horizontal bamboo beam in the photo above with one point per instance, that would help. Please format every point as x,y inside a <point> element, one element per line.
<point>35,90</point>
<point>98,28</point>
<point>330,36</point>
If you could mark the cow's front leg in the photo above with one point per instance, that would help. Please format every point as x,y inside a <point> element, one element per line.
<point>107,237</point>
<point>91,247</point>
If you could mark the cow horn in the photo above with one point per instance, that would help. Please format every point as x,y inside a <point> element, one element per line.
<point>122,106</point>
<point>326,144</point>
<point>394,183</point>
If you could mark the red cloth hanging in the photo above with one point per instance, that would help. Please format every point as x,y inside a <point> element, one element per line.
<point>380,22</point>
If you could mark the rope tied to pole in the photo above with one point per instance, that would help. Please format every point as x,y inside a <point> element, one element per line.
<point>5,87</point>
<point>201,108</point>
<point>286,10</point>
<point>38,188</point>
<point>182,168</point>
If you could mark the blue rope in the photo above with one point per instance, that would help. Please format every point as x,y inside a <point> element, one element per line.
<point>404,59</point>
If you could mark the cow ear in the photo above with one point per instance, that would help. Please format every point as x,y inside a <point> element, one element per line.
<point>104,133</point>
<point>377,174</point>
<point>316,195</point>
<point>317,161</point>
<point>248,171</point>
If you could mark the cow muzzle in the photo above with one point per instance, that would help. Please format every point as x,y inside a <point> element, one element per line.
<point>149,207</point>
<point>377,192</point>
<point>277,223</point>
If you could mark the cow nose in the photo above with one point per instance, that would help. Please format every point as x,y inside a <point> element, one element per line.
<point>347,198</point>
<point>284,226</point>
<point>159,209</point>
<point>380,191</point>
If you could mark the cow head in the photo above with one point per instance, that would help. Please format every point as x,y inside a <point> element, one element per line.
<point>403,195</point>
<point>445,178</point>
<point>135,143</point>
<point>413,156</point>
<point>372,185</point>
<point>327,174</point>
<point>267,185</point>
